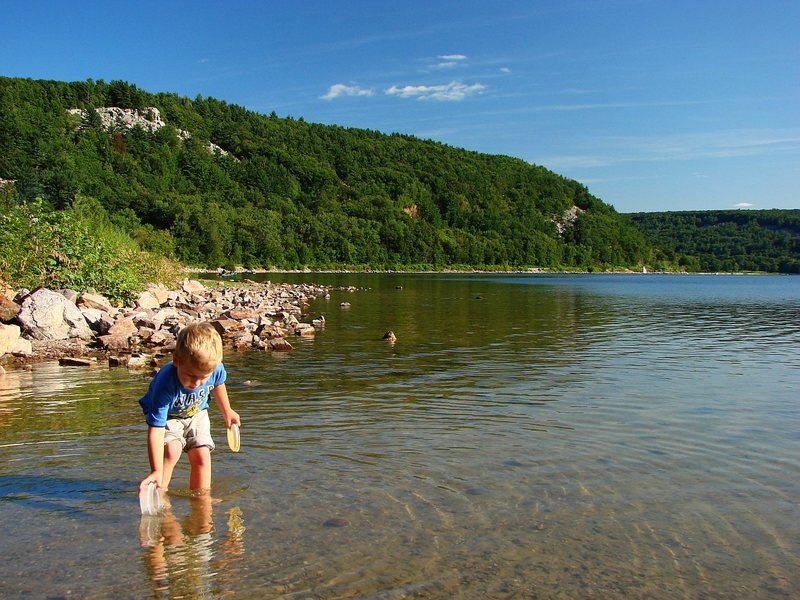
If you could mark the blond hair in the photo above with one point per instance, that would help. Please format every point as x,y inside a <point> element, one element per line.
<point>200,345</point>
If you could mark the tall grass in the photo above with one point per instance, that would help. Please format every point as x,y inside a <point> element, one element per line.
<point>78,248</point>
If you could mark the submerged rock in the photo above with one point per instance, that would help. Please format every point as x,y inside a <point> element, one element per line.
<point>71,361</point>
<point>280,345</point>
<point>336,522</point>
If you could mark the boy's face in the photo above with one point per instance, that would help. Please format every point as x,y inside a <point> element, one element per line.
<point>189,375</point>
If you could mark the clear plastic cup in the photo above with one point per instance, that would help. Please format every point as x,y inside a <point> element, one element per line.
<point>150,500</point>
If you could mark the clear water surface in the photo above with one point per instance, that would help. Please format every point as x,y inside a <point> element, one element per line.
<point>601,436</point>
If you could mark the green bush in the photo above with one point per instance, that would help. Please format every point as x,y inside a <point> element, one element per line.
<point>76,248</point>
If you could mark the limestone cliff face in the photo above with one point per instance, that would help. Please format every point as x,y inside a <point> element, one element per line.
<point>567,220</point>
<point>149,119</point>
<point>113,117</point>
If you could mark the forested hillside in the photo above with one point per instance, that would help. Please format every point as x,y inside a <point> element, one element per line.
<point>283,192</point>
<point>727,240</point>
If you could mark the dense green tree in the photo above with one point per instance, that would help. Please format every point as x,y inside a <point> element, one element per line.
<point>726,240</point>
<point>289,193</point>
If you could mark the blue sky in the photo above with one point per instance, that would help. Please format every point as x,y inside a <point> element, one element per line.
<point>653,104</point>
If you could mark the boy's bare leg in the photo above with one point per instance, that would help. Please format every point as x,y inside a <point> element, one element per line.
<point>172,453</point>
<point>200,474</point>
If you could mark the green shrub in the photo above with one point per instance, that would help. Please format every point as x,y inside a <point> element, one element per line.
<point>76,248</point>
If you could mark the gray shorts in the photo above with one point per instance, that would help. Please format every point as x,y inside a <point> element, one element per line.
<point>193,432</point>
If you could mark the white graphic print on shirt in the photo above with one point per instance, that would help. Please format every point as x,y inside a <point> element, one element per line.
<point>187,405</point>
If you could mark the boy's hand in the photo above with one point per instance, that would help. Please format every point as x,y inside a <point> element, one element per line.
<point>154,477</point>
<point>231,417</point>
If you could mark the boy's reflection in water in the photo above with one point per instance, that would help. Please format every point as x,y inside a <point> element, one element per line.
<point>182,559</point>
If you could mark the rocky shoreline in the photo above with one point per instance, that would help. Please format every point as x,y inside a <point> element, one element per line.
<point>85,328</point>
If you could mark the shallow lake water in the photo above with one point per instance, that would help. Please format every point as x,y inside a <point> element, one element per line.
<point>597,436</point>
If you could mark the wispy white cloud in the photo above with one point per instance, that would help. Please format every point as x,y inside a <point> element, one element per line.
<point>625,178</point>
<point>743,205</point>
<point>340,89</point>
<point>505,70</point>
<point>453,91</point>
<point>450,61</point>
<point>680,147</point>
<point>432,134</point>
<point>576,161</point>
<point>713,144</point>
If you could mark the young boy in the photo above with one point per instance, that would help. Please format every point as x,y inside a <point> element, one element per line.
<point>176,404</point>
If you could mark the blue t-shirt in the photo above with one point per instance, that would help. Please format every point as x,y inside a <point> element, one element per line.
<point>166,398</point>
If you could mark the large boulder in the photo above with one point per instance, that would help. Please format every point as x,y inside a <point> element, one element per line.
<point>47,315</point>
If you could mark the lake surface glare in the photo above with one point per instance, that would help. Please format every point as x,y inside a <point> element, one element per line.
<point>592,436</point>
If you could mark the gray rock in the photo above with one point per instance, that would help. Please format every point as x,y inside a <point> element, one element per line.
<point>47,315</point>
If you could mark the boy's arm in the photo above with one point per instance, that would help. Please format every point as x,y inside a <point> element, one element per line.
<point>155,451</point>
<point>220,394</point>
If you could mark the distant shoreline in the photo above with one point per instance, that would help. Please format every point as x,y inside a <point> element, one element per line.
<point>532,271</point>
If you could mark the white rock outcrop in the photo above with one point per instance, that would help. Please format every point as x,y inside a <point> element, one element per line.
<point>149,119</point>
<point>567,220</point>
